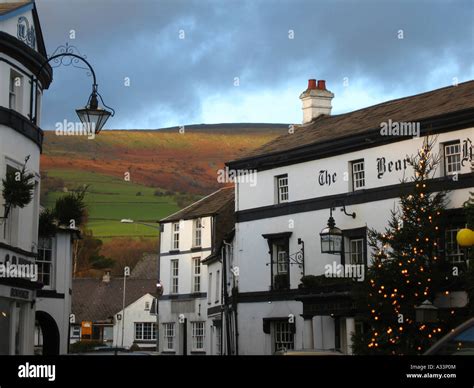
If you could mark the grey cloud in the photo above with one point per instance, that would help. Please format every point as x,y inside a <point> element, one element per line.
<point>224,39</point>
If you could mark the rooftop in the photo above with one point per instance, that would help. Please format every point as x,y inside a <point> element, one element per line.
<point>210,205</point>
<point>413,108</point>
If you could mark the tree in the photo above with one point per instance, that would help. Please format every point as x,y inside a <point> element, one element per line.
<point>70,209</point>
<point>406,269</point>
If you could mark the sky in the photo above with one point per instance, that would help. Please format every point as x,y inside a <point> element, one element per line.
<point>163,63</point>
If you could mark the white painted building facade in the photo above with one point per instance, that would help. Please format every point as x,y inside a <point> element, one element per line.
<point>135,325</point>
<point>189,290</point>
<point>21,54</point>
<point>53,303</point>
<point>292,200</point>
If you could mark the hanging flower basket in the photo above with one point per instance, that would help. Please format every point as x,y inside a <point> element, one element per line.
<point>18,188</point>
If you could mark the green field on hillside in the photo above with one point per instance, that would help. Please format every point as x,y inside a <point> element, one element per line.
<point>110,199</point>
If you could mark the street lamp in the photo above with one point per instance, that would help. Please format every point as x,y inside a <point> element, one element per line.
<point>331,236</point>
<point>92,116</point>
<point>426,312</point>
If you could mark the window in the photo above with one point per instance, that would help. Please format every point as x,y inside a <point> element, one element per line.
<point>218,288</point>
<point>357,251</point>
<point>45,261</point>
<point>283,336</point>
<point>218,340</point>
<point>174,276</point>
<point>169,334</point>
<point>452,158</point>
<point>209,288</point>
<point>454,253</point>
<point>145,331</point>
<point>175,227</point>
<point>198,334</point>
<point>280,265</point>
<point>76,331</point>
<point>16,82</point>
<point>197,232</point>
<point>358,174</point>
<point>147,306</point>
<point>197,274</point>
<point>282,188</point>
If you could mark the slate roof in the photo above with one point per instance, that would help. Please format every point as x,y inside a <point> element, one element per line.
<point>95,300</point>
<point>210,205</point>
<point>413,108</point>
<point>146,268</point>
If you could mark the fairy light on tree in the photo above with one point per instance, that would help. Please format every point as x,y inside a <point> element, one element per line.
<point>404,270</point>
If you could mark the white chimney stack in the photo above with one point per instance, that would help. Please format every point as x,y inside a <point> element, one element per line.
<point>316,100</point>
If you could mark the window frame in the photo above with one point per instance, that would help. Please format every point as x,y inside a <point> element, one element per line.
<point>445,157</point>
<point>152,332</point>
<point>362,241</point>
<point>196,277</point>
<point>217,291</point>
<point>279,188</point>
<point>198,336</point>
<point>41,251</point>
<point>169,334</point>
<point>354,178</point>
<point>278,334</point>
<point>197,233</point>
<point>174,276</point>
<point>175,229</point>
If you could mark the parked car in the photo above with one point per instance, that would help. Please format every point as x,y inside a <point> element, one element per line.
<point>459,342</point>
<point>309,352</point>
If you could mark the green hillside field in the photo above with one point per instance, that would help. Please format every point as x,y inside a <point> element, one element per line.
<point>111,199</point>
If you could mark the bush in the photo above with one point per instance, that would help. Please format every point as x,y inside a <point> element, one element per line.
<point>71,207</point>
<point>47,224</point>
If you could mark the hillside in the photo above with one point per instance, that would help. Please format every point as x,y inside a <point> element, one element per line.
<point>159,164</point>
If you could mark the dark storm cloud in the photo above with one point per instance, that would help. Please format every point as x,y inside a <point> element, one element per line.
<point>250,40</point>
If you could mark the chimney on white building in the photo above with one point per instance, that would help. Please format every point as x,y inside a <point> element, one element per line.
<point>106,276</point>
<point>316,100</point>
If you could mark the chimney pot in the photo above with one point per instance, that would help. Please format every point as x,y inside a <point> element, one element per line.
<point>312,84</point>
<point>316,100</point>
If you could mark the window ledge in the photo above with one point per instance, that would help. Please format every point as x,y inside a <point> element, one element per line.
<point>202,352</point>
<point>174,251</point>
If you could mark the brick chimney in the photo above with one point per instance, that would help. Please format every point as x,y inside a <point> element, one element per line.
<point>316,100</point>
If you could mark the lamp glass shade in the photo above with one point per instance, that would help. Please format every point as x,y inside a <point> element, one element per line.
<point>331,240</point>
<point>93,119</point>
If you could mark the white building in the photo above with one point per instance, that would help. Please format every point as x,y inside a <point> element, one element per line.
<point>190,292</point>
<point>22,52</point>
<point>136,326</point>
<point>53,303</point>
<point>98,307</point>
<point>326,162</point>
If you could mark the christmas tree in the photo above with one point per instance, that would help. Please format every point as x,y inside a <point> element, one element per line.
<point>406,269</point>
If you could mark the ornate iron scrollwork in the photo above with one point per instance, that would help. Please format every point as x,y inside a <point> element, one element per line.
<point>67,60</point>
<point>25,33</point>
